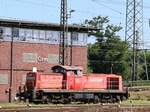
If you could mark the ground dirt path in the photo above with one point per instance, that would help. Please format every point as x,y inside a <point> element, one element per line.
<point>98,108</point>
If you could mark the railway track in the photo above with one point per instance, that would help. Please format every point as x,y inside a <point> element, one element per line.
<point>139,88</point>
<point>79,108</point>
<point>55,106</point>
<point>105,105</point>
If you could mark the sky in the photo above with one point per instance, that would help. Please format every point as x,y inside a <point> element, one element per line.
<point>49,11</point>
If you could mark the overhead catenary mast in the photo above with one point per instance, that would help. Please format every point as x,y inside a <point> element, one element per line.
<point>134,34</point>
<point>63,44</point>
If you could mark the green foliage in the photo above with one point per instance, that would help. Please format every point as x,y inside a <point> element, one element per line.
<point>139,83</point>
<point>142,64</point>
<point>109,53</point>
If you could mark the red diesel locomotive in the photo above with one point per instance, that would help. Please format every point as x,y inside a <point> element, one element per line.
<point>68,84</point>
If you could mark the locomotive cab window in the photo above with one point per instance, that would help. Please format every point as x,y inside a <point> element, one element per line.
<point>78,72</point>
<point>58,70</point>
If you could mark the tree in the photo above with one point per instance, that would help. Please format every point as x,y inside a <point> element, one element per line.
<point>142,65</point>
<point>109,54</point>
<point>148,63</point>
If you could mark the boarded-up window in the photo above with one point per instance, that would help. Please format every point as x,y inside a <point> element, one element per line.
<point>3,78</point>
<point>53,58</point>
<point>30,57</point>
<point>23,79</point>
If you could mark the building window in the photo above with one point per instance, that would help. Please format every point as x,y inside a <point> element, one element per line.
<point>49,35</point>
<point>15,32</point>
<point>36,35</point>
<point>7,33</point>
<point>74,36</point>
<point>29,34</point>
<point>56,36</point>
<point>52,37</point>
<point>82,39</point>
<point>42,35</point>
<point>1,33</point>
<point>22,34</point>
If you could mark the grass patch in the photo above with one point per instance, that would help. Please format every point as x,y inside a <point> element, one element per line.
<point>11,105</point>
<point>26,105</point>
<point>136,102</point>
<point>138,98</point>
<point>140,95</point>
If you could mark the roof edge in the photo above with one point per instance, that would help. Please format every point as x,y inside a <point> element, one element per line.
<point>43,25</point>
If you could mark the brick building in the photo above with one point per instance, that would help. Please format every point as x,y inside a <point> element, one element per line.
<point>25,44</point>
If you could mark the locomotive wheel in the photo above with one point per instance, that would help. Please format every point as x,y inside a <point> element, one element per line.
<point>114,99</point>
<point>123,98</point>
<point>111,99</point>
<point>66,101</point>
<point>96,99</point>
<point>45,100</point>
<point>118,99</point>
<point>87,101</point>
<point>106,98</point>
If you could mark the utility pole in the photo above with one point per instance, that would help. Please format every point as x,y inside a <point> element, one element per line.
<point>11,66</point>
<point>134,34</point>
<point>63,44</point>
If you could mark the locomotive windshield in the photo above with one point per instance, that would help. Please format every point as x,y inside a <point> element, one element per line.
<point>63,69</point>
<point>58,70</point>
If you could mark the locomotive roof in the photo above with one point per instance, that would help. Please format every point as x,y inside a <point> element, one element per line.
<point>68,67</point>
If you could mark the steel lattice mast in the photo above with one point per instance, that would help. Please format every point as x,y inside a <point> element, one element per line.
<point>134,33</point>
<point>63,45</point>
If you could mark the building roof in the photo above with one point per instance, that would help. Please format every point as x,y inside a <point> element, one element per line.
<point>42,25</point>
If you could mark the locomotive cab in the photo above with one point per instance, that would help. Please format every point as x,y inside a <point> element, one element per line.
<point>72,76</point>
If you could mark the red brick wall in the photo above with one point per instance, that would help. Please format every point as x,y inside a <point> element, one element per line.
<point>4,97</point>
<point>41,49</point>
<point>5,55</point>
<point>79,57</point>
<point>21,68</point>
